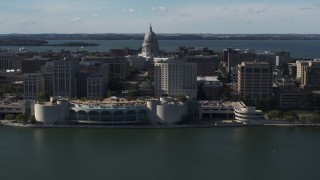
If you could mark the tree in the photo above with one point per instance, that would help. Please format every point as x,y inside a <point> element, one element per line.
<point>292,114</point>
<point>306,101</point>
<point>181,97</point>
<point>43,96</point>
<point>303,119</point>
<point>114,85</point>
<point>315,119</point>
<point>290,119</point>
<point>133,94</point>
<point>32,120</point>
<point>20,117</point>
<point>10,117</point>
<point>201,94</point>
<point>134,87</point>
<point>316,101</point>
<point>226,92</point>
<point>266,104</point>
<point>275,114</point>
<point>111,93</point>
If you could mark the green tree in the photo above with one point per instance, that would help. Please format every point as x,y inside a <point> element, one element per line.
<point>133,94</point>
<point>306,101</point>
<point>134,87</point>
<point>290,119</point>
<point>10,117</point>
<point>114,85</point>
<point>20,118</point>
<point>111,93</point>
<point>316,101</point>
<point>292,114</point>
<point>43,96</point>
<point>32,120</point>
<point>266,104</point>
<point>315,119</point>
<point>303,119</point>
<point>181,97</point>
<point>201,94</point>
<point>275,114</point>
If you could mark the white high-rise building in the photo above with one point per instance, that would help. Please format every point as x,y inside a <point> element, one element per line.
<point>175,77</point>
<point>301,66</point>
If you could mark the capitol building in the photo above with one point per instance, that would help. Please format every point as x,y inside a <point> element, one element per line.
<point>150,45</point>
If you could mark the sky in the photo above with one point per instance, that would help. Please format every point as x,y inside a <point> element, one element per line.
<point>166,16</point>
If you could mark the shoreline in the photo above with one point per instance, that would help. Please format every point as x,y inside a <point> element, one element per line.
<point>223,125</point>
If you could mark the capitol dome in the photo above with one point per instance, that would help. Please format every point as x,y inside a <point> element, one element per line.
<point>150,46</point>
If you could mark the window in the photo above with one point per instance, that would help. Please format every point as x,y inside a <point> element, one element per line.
<point>248,70</point>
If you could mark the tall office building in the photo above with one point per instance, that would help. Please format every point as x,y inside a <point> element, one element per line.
<point>32,86</point>
<point>235,57</point>
<point>175,77</point>
<point>9,61</point>
<point>267,56</point>
<point>206,65</point>
<point>301,66</point>
<point>311,76</point>
<point>254,80</point>
<point>282,58</point>
<point>93,80</point>
<point>47,74</point>
<point>118,66</point>
<point>65,77</point>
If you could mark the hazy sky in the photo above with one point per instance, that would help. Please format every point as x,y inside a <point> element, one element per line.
<point>167,16</point>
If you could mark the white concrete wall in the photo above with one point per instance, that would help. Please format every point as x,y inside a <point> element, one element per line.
<point>48,114</point>
<point>170,113</point>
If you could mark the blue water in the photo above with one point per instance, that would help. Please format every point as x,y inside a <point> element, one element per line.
<point>297,48</point>
<point>264,153</point>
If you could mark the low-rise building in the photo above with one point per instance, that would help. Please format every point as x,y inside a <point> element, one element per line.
<point>246,114</point>
<point>211,86</point>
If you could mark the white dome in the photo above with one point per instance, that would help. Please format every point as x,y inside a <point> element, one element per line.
<point>150,46</point>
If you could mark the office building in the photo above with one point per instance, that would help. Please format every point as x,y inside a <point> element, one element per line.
<point>282,58</point>
<point>32,86</point>
<point>93,80</point>
<point>254,81</point>
<point>301,66</point>
<point>118,66</point>
<point>235,57</point>
<point>311,76</point>
<point>175,77</point>
<point>268,57</point>
<point>65,77</point>
<point>206,65</point>
<point>211,86</point>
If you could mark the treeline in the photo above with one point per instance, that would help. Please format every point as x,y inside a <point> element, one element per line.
<point>114,36</point>
<point>31,42</point>
<point>22,42</point>
<point>74,44</point>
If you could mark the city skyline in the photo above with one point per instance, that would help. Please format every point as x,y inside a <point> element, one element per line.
<point>232,17</point>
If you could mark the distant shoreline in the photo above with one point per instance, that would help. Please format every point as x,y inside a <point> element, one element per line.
<point>140,36</point>
<point>36,126</point>
<point>33,42</point>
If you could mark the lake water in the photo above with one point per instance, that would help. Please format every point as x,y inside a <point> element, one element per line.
<point>297,48</point>
<point>204,153</point>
